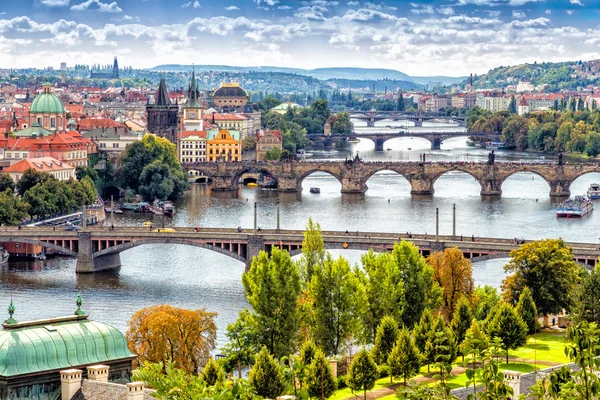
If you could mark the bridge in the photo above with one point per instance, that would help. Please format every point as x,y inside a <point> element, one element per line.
<point>98,249</point>
<point>435,138</point>
<point>373,116</point>
<point>353,176</point>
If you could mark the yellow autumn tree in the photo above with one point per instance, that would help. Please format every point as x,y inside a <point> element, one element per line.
<point>453,272</point>
<point>162,333</point>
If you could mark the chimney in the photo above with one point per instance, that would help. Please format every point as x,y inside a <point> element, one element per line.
<point>70,382</point>
<point>135,391</point>
<point>98,373</point>
<point>513,379</point>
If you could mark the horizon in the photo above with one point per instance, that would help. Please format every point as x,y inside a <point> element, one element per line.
<point>419,38</point>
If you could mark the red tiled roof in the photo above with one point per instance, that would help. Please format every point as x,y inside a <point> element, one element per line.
<point>42,164</point>
<point>186,134</point>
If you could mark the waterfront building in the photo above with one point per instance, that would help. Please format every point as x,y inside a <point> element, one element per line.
<point>58,169</point>
<point>107,73</point>
<point>112,142</point>
<point>163,116</point>
<point>48,110</point>
<point>229,95</point>
<point>236,122</point>
<point>192,146</point>
<point>493,102</point>
<point>223,145</point>
<point>33,354</point>
<point>267,140</point>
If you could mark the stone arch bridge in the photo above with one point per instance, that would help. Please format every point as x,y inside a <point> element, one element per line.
<point>98,249</point>
<point>353,176</point>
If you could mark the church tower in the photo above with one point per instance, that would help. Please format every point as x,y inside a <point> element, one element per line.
<point>163,116</point>
<point>192,111</point>
<point>115,71</point>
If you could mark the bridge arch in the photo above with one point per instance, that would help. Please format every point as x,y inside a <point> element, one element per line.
<point>528,171</point>
<point>47,245</point>
<point>305,174</point>
<point>595,170</point>
<point>194,243</point>
<point>458,169</point>
<point>340,246</point>
<point>250,169</point>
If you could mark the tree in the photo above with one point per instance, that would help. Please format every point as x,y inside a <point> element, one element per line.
<point>307,352</point>
<point>404,359</point>
<point>362,373</point>
<point>266,375</point>
<point>476,341</point>
<point>342,124</point>
<point>313,250</point>
<point>512,106</point>
<point>592,148</point>
<point>170,382</point>
<point>422,334</point>
<point>400,104</point>
<point>385,339</point>
<point>12,209</point>
<point>579,137</point>
<point>461,320</point>
<point>337,300</point>
<point>515,132</point>
<point>212,373</point>
<point>452,271</point>
<point>385,291</point>
<point>153,330</point>
<point>30,178</point>
<point>272,289</point>
<point>582,349</point>
<point>158,180</point>
<point>587,304</point>
<point>527,310</point>
<point>484,299</point>
<point>509,327</point>
<point>420,289</point>
<point>243,342</point>
<point>444,347</point>
<point>548,269</point>
<point>320,382</point>
<point>563,136</point>
<point>6,182</point>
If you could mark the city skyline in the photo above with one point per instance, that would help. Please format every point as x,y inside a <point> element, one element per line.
<point>420,38</point>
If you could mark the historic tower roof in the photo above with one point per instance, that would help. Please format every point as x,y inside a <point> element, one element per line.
<point>162,96</point>
<point>230,90</point>
<point>47,102</point>
<point>192,100</point>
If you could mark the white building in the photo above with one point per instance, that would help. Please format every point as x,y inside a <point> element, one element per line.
<point>192,146</point>
<point>112,141</point>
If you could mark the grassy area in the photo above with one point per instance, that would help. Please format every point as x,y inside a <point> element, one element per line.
<point>547,347</point>
<point>347,392</point>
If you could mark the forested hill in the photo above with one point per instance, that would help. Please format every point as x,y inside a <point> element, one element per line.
<point>563,75</point>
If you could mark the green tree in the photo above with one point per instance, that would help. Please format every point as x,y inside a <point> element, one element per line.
<point>313,251</point>
<point>338,301</point>
<point>272,289</point>
<point>475,343</point>
<point>400,102</point>
<point>548,269</point>
<point>385,339</point>
<point>342,124</point>
<point>587,304</point>
<point>362,373</point>
<point>30,178</point>
<point>422,334</point>
<point>404,359</point>
<point>509,327</point>
<point>563,136</point>
<point>170,382</point>
<point>158,180</point>
<point>320,382</point>
<point>461,321</point>
<point>243,342</point>
<point>444,347</point>
<point>512,106</point>
<point>307,352</point>
<point>212,373</point>
<point>12,209</point>
<point>592,148</point>
<point>579,137</point>
<point>582,349</point>
<point>265,376</point>
<point>515,132</point>
<point>484,300</point>
<point>6,182</point>
<point>527,310</point>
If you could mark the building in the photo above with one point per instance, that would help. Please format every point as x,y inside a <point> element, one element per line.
<point>192,110</point>
<point>267,140</point>
<point>523,107</point>
<point>283,107</point>
<point>524,86</point>
<point>33,353</point>
<point>436,103</point>
<point>493,102</point>
<point>112,142</point>
<point>236,122</point>
<point>192,146</point>
<point>229,95</point>
<point>223,145</point>
<point>58,169</point>
<point>107,74</point>
<point>163,116</point>
<point>48,111</point>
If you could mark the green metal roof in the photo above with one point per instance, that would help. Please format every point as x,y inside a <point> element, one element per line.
<point>47,103</point>
<point>59,343</point>
<point>35,128</point>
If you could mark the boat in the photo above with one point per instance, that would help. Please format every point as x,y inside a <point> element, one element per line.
<point>168,208</point>
<point>410,148</point>
<point>144,207</point>
<point>353,140</point>
<point>494,145</point>
<point>131,206</point>
<point>3,256</point>
<point>388,149</point>
<point>147,223</point>
<point>575,208</point>
<point>315,190</point>
<point>252,184</point>
<point>594,191</point>
<point>116,210</point>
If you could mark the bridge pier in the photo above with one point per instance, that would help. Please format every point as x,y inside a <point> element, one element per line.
<point>87,263</point>
<point>223,183</point>
<point>491,187</point>
<point>419,123</point>
<point>353,185</point>
<point>560,188</point>
<point>379,144</point>
<point>421,186</point>
<point>256,244</point>
<point>371,123</point>
<point>288,183</point>
<point>436,143</point>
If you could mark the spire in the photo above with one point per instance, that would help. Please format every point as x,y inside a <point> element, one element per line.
<point>192,100</point>
<point>162,97</point>
<point>11,311</point>
<point>79,302</point>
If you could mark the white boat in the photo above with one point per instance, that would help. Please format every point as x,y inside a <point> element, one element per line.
<point>353,140</point>
<point>594,191</point>
<point>575,208</point>
<point>3,256</point>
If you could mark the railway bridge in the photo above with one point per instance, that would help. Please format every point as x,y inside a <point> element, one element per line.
<point>353,175</point>
<point>98,249</point>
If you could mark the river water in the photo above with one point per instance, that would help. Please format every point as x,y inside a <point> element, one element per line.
<point>194,278</point>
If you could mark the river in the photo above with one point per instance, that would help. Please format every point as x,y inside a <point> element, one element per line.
<point>193,278</point>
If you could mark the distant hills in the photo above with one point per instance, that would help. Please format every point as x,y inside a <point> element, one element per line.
<point>358,74</point>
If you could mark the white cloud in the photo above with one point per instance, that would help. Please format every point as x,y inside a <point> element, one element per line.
<point>417,9</point>
<point>311,12</point>
<point>284,8</point>
<point>195,4</point>
<point>97,5</point>
<point>577,2</point>
<point>268,3</point>
<point>493,3</point>
<point>445,10</point>
<point>232,8</point>
<point>353,3</point>
<point>186,5</point>
<point>55,3</point>
<point>518,14</point>
<point>548,12</point>
<point>570,12</point>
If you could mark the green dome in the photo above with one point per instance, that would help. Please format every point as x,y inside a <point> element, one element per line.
<point>59,343</point>
<point>47,103</point>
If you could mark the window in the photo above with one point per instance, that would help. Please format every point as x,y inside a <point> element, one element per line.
<point>39,121</point>
<point>52,122</point>
<point>116,145</point>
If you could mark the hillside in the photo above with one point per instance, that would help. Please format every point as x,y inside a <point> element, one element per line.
<point>557,76</point>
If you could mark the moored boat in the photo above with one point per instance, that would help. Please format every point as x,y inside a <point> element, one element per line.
<point>3,256</point>
<point>353,140</point>
<point>594,191</point>
<point>575,208</point>
<point>315,190</point>
<point>131,207</point>
<point>168,208</point>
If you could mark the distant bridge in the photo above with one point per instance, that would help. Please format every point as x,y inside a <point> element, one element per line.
<point>374,116</point>
<point>98,249</point>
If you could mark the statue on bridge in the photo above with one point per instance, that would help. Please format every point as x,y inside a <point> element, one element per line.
<point>491,158</point>
<point>560,158</point>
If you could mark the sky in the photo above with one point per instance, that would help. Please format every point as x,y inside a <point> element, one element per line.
<point>420,38</point>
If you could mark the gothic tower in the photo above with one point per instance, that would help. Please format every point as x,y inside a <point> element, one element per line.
<point>115,72</point>
<point>163,116</point>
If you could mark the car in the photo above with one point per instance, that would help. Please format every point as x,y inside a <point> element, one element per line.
<point>159,230</point>
<point>72,228</point>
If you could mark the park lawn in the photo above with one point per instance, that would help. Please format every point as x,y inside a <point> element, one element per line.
<point>347,392</point>
<point>545,346</point>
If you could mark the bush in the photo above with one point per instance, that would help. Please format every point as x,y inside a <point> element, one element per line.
<point>383,371</point>
<point>341,382</point>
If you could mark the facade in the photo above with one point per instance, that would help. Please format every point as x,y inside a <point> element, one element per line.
<point>163,116</point>
<point>236,122</point>
<point>33,353</point>
<point>192,110</point>
<point>435,103</point>
<point>223,145</point>
<point>267,140</point>
<point>114,74</point>
<point>523,107</point>
<point>524,86</point>
<point>192,146</point>
<point>492,102</point>
<point>229,95</point>
<point>112,142</point>
<point>48,111</point>
<point>58,169</point>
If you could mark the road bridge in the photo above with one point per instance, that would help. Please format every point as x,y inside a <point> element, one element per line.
<point>370,117</point>
<point>353,176</point>
<point>97,249</point>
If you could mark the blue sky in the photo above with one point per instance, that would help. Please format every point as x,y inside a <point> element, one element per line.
<point>428,37</point>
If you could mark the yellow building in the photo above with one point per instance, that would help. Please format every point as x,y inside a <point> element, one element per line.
<point>223,145</point>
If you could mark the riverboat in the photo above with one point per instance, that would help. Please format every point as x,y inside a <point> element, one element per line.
<point>353,140</point>
<point>116,210</point>
<point>168,208</point>
<point>315,190</point>
<point>575,208</point>
<point>494,145</point>
<point>594,191</point>
<point>252,184</point>
<point>3,256</point>
<point>131,207</point>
